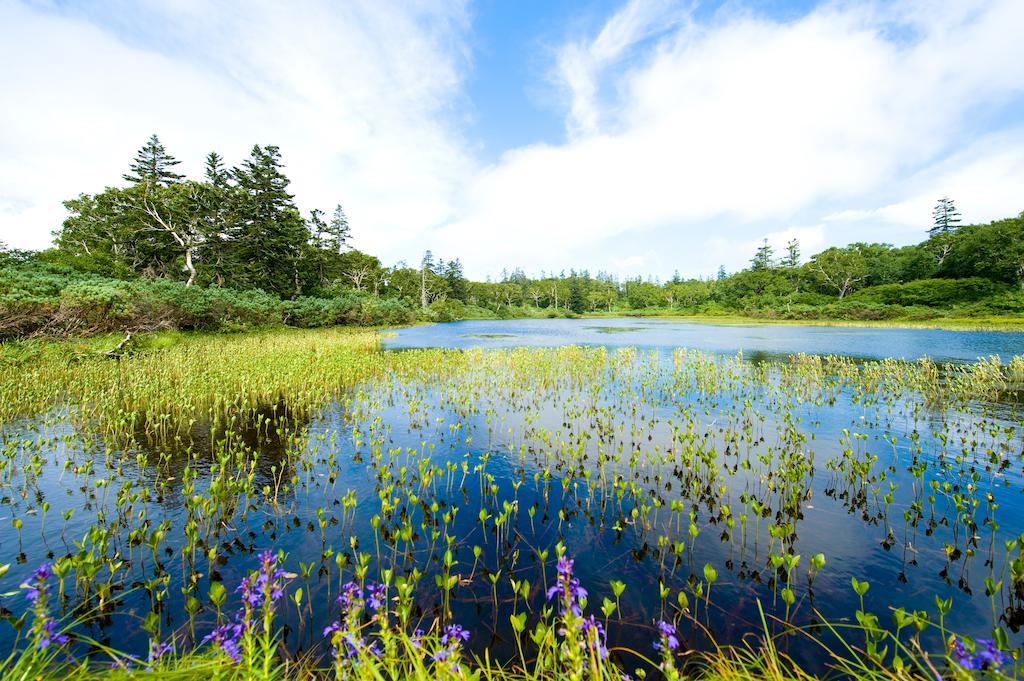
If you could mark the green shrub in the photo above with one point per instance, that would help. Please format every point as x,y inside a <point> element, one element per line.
<point>37,296</point>
<point>446,310</point>
<point>930,292</point>
<point>99,305</point>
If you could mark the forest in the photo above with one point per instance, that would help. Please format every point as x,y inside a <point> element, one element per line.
<point>233,250</point>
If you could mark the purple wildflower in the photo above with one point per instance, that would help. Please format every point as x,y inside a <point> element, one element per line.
<point>48,635</point>
<point>416,639</point>
<point>35,585</point>
<point>453,633</point>
<point>986,655</point>
<point>354,645</point>
<point>44,628</point>
<point>351,596</point>
<point>598,640</point>
<point>226,638</point>
<point>567,588</point>
<point>158,649</point>
<point>264,586</point>
<point>376,596</point>
<point>669,640</point>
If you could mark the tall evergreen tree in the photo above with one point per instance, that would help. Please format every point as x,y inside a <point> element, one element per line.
<point>458,287</point>
<point>762,260</point>
<point>427,265</point>
<point>216,174</point>
<point>946,218</point>
<point>792,258</point>
<point>576,301</point>
<point>153,165</point>
<point>338,231</point>
<point>268,231</point>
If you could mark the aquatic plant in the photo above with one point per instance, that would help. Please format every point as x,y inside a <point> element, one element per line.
<point>417,490</point>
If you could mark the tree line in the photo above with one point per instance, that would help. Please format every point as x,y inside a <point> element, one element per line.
<point>238,228</point>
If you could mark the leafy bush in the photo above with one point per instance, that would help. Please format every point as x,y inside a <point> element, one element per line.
<point>930,292</point>
<point>97,305</point>
<point>39,297</point>
<point>1006,303</point>
<point>446,310</point>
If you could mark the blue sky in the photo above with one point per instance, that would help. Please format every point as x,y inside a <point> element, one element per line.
<point>629,136</point>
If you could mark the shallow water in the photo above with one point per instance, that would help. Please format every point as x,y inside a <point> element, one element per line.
<point>599,444</point>
<point>753,340</point>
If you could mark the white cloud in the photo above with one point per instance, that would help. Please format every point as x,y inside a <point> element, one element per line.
<point>355,94</point>
<point>731,129</point>
<point>630,263</point>
<point>580,63</point>
<point>687,141</point>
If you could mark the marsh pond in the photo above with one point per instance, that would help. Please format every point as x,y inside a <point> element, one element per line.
<point>812,482</point>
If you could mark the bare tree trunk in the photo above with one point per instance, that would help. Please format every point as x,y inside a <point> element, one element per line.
<point>190,266</point>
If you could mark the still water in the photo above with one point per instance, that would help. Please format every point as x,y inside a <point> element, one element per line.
<point>754,340</point>
<point>649,465</point>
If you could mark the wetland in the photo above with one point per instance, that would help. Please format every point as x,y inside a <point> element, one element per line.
<point>694,484</point>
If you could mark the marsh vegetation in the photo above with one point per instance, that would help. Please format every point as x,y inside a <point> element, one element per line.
<point>568,511</point>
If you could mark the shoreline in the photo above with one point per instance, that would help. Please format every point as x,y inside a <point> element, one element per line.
<point>1000,324</point>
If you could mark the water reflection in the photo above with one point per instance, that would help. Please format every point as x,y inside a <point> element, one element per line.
<point>586,448</point>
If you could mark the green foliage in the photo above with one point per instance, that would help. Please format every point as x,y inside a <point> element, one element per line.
<point>240,229</point>
<point>37,296</point>
<point>446,310</point>
<point>930,292</point>
<point>153,165</point>
<point>994,251</point>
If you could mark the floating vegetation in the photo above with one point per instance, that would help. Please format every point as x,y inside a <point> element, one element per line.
<point>488,336</point>
<point>615,329</point>
<point>298,502</point>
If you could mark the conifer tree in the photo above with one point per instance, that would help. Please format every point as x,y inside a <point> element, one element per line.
<point>457,285</point>
<point>216,174</point>
<point>792,258</point>
<point>762,260</point>
<point>153,165</point>
<point>267,229</point>
<point>338,231</point>
<point>946,218</point>
<point>426,266</point>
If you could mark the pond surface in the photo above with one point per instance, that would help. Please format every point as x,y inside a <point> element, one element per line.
<point>652,465</point>
<point>753,340</point>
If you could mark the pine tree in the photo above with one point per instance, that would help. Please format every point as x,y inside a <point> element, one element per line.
<point>946,217</point>
<point>427,265</point>
<point>792,258</point>
<point>268,231</point>
<point>457,285</point>
<point>576,301</point>
<point>762,260</point>
<point>338,231</point>
<point>721,273</point>
<point>153,165</point>
<point>215,172</point>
